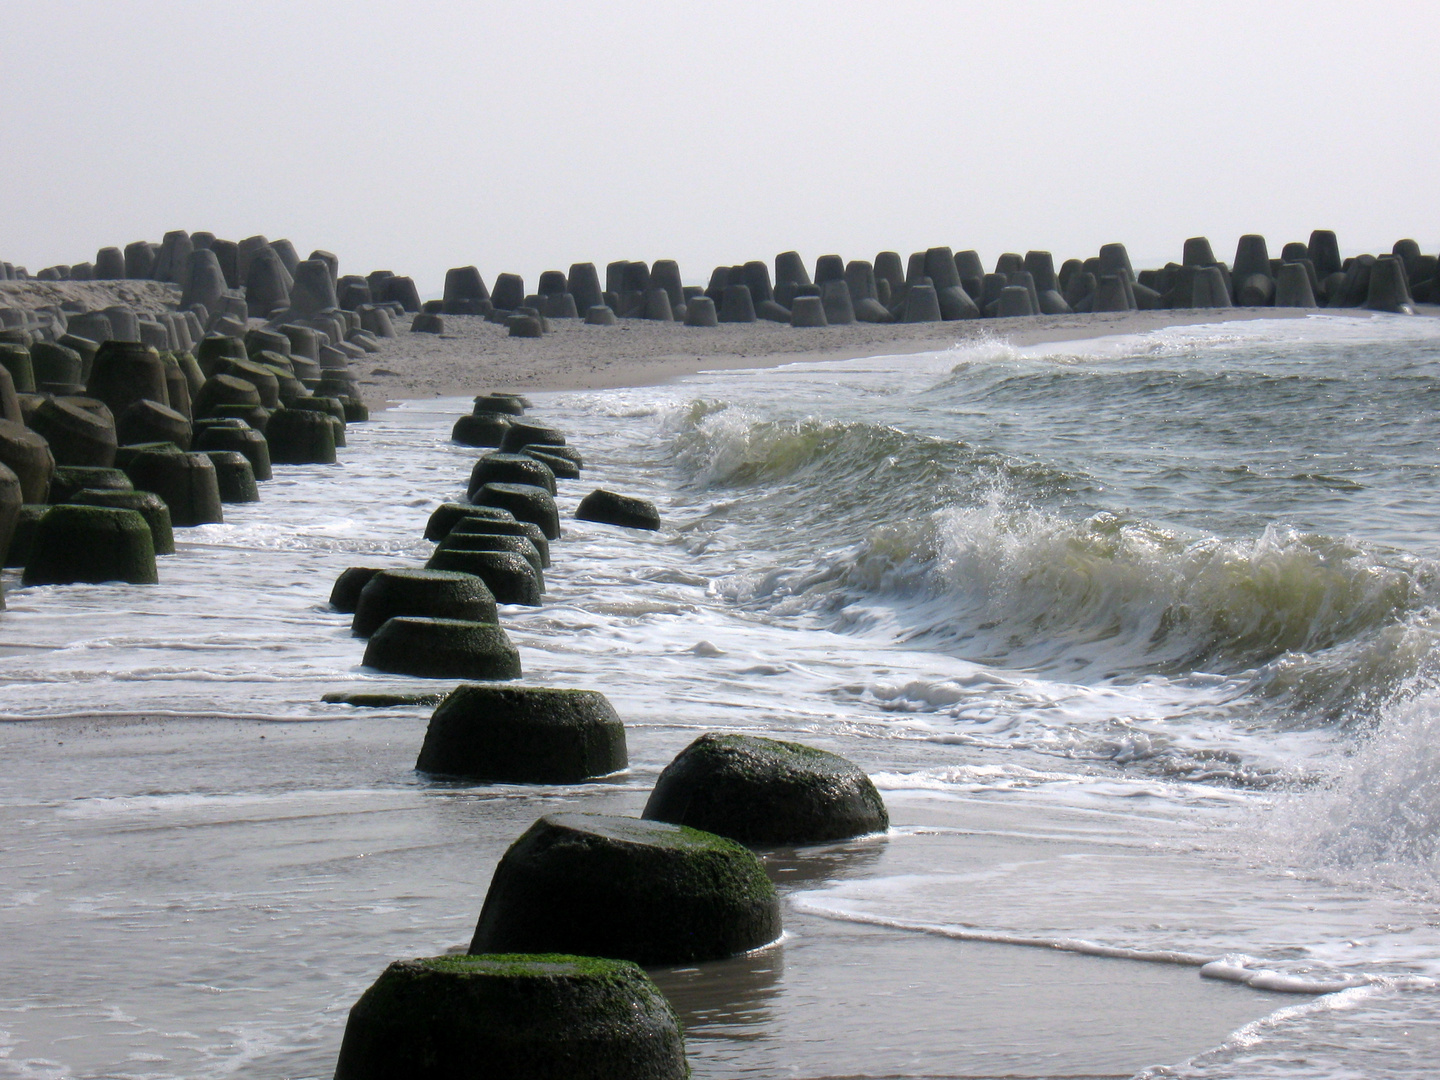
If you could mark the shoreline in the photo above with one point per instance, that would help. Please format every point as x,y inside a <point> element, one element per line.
<point>473,356</point>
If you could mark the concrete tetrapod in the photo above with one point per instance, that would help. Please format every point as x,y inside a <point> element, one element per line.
<point>526,502</point>
<point>766,792</point>
<point>431,593</point>
<point>610,508</point>
<point>512,1017</point>
<point>11,503</point>
<point>301,437</point>
<point>486,539</point>
<point>442,649</point>
<point>28,456</point>
<point>447,515</point>
<point>510,577</point>
<point>562,468</point>
<point>76,435</point>
<point>480,429</point>
<point>1293,287</point>
<point>91,544</point>
<point>67,480</point>
<point>345,593</point>
<point>187,483</point>
<point>146,503</point>
<point>502,468</point>
<point>234,476</point>
<point>809,311</point>
<point>149,421</point>
<point>473,524</point>
<point>126,372</point>
<point>629,889</point>
<point>521,434</point>
<point>234,434</point>
<point>524,735</point>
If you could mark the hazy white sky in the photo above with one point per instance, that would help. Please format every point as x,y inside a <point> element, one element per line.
<point>414,136</point>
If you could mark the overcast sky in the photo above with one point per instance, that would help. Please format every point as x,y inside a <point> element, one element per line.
<point>415,136</point>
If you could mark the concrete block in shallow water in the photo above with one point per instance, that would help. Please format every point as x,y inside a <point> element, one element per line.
<point>610,508</point>
<point>526,502</point>
<point>445,517</point>
<point>511,404</point>
<point>532,1017</point>
<point>808,311</point>
<point>522,434</point>
<point>429,593</point>
<point>920,305</point>
<point>91,544</point>
<point>484,429</point>
<point>473,524</point>
<point>28,457</point>
<point>234,434</point>
<point>486,539</point>
<point>511,577</point>
<point>22,542</point>
<point>67,480</point>
<point>637,890</point>
<point>187,483</point>
<point>527,735</point>
<point>12,499</point>
<point>1389,289</point>
<point>442,649</point>
<point>225,389</point>
<point>76,436</point>
<point>145,503</point>
<point>300,437</point>
<point>550,454</point>
<point>765,792</point>
<point>345,593</point>
<point>501,468</point>
<point>1293,289</point>
<point>234,476</point>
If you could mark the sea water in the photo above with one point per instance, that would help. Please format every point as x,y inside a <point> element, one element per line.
<point>1135,635</point>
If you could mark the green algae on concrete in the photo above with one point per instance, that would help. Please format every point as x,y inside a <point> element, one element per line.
<point>512,1017</point>
<point>628,889</point>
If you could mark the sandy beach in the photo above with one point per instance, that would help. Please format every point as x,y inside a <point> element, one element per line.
<point>473,355</point>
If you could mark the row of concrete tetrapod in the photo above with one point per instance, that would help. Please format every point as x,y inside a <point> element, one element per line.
<point>267,276</point>
<point>941,285</point>
<point>153,441</point>
<point>551,985</point>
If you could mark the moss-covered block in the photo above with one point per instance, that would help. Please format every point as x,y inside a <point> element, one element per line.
<point>629,889</point>
<point>91,544</point>
<point>766,792</point>
<point>512,1017</point>
<point>442,649</point>
<point>527,735</point>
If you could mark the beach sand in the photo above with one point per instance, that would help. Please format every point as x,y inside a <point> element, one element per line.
<point>473,355</point>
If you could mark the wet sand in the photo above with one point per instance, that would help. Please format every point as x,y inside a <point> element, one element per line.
<point>275,874</point>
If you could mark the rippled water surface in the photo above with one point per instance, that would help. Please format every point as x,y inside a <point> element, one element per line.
<point>1136,636</point>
